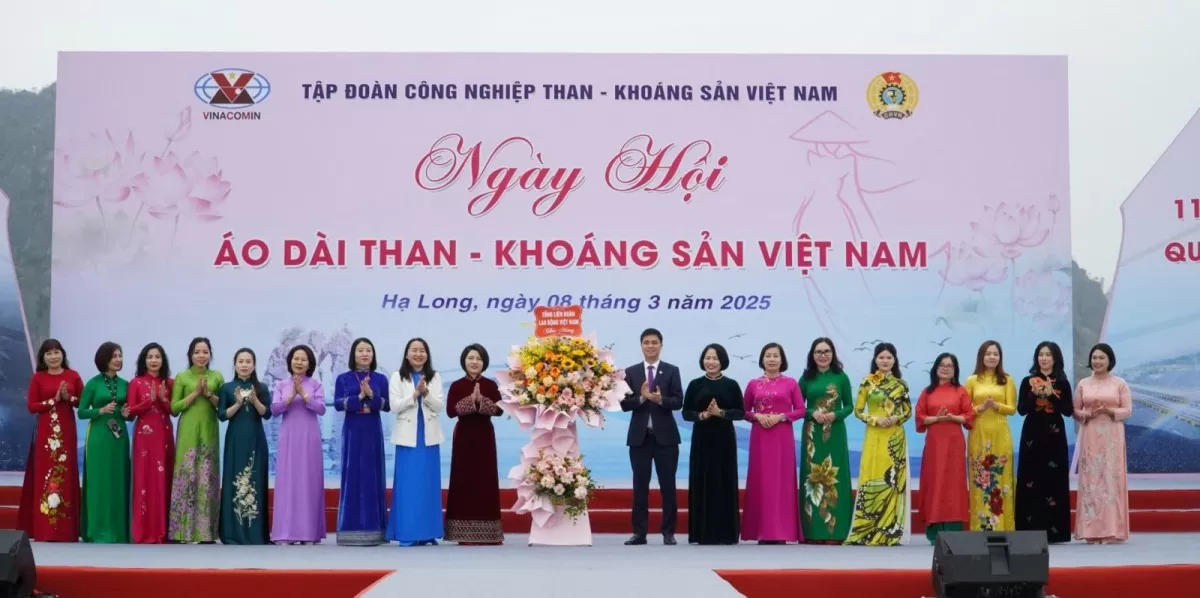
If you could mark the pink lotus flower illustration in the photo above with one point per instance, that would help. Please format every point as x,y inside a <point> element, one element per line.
<point>1044,296</point>
<point>209,187</point>
<point>1006,232</point>
<point>967,267</point>
<point>165,189</point>
<point>106,169</point>
<point>180,126</point>
<point>1010,230</point>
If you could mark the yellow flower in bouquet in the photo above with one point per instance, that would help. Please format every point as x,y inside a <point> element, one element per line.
<point>561,373</point>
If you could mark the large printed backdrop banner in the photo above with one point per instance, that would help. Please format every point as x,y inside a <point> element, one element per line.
<point>266,200</point>
<point>1153,318</point>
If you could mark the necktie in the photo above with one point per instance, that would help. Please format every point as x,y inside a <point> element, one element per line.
<point>650,385</point>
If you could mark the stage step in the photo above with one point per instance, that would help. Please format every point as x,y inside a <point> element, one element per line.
<point>622,498</point>
<point>617,521</point>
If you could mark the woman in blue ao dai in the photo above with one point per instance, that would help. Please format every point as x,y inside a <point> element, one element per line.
<point>417,400</point>
<point>362,393</point>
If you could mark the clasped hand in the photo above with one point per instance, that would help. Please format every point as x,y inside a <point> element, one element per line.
<point>649,395</point>
<point>823,417</point>
<point>1099,410</point>
<point>158,392</point>
<point>711,411</point>
<point>297,389</point>
<point>768,420</point>
<point>943,415</point>
<point>477,397</point>
<point>365,392</point>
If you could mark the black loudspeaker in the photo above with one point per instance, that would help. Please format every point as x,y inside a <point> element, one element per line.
<point>18,575</point>
<point>976,564</point>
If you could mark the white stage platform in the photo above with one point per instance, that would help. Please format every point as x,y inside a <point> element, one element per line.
<point>610,568</point>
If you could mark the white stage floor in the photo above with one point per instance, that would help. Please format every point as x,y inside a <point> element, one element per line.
<point>607,567</point>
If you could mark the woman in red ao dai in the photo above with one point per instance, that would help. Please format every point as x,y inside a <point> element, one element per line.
<point>943,411</point>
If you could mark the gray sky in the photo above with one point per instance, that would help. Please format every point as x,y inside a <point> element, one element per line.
<point>1134,65</point>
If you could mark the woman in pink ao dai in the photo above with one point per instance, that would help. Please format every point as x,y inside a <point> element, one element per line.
<point>771,512</point>
<point>1102,404</point>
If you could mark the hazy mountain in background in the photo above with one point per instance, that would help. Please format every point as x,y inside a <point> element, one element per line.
<point>26,168</point>
<point>26,165</point>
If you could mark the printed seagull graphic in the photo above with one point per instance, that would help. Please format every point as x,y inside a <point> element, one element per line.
<point>941,343</point>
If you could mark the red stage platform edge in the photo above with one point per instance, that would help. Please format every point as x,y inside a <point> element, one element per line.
<point>93,582</point>
<point>1150,511</point>
<point>1092,582</point>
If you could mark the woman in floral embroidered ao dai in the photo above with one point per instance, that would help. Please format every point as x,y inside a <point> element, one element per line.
<point>244,405</point>
<point>989,444</point>
<point>50,495</point>
<point>1102,404</point>
<point>153,458</point>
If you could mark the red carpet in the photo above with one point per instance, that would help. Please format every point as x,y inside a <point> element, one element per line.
<point>1150,511</point>
<point>90,582</point>
<point>1090,582</point>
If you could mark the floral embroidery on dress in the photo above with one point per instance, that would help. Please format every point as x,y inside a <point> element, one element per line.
<point>1096,498</point>
<point>1045,392</point>
<point>828,404</point>
<point>52,501</point>
<point>245,497</point>
<point>193,503</point>
<point>821,487</point>
<point>465,406</point>
<point>987,472</point>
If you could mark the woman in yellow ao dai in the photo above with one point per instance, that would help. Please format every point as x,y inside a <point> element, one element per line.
<point>989,444</point>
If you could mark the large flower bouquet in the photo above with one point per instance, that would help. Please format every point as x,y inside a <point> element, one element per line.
<point>563,480</point>
<point>551,381</point>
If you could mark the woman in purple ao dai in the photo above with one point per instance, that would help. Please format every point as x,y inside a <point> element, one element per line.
<point>299,516</point>
<point>771,511</point>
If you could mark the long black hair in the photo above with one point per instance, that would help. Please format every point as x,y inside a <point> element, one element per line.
<point>934,380</point>
<point>164,372</point>
<point>980,369</point>
<point>1058,373</point>
<point>406,369</point>
<point>890,348</point>
<point>810,368</point>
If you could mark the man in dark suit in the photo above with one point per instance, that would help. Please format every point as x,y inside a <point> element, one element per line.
<point>653,436</point>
